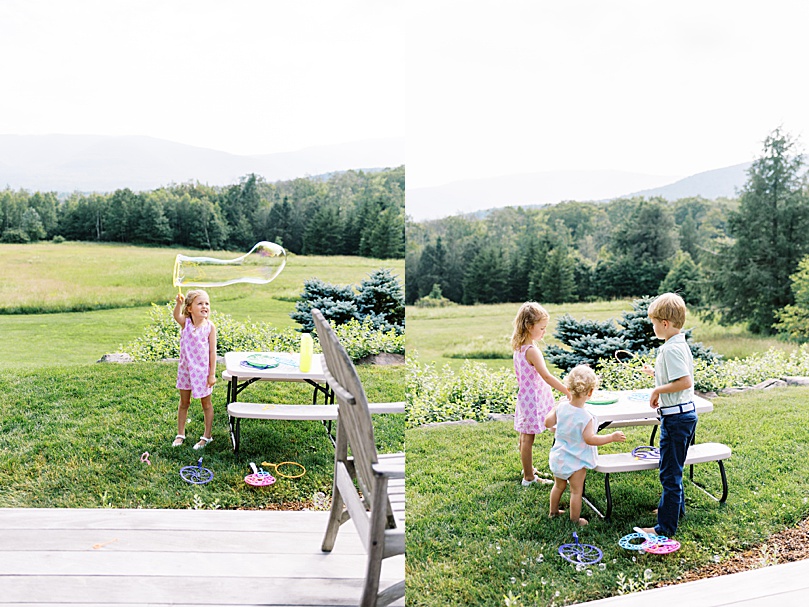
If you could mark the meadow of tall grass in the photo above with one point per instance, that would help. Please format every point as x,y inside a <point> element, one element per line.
<point>73,302</point>
<point>452,334</point>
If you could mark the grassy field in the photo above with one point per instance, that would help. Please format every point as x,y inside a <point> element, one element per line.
<point>475,535</point>
<point>72,436</point>
<point>483,332</point>
<point>73,431</point>
<point>110,289</point>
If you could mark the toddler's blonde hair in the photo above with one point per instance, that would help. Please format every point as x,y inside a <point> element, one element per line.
<point>529,314</point>
<point>670,307</point>
<point>189,299</point>
<point>581,380</point>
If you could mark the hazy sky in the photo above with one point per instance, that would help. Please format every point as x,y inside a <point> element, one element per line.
<point>241,76</point>
<point>664,87</point>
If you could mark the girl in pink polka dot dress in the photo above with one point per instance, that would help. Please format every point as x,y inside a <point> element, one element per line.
<point>196,373</point>
<point>534,382</point>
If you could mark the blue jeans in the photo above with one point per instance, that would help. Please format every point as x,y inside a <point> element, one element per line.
<point>675,435</point>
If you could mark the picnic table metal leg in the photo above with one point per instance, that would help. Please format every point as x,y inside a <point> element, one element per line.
<point>587,501</point>
<point>724,497</point>
<point>233,423</point>
<point>724,478</point>
<point>237,429</point>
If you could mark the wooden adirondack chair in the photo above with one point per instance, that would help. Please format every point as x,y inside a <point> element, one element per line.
<point>378,508</point>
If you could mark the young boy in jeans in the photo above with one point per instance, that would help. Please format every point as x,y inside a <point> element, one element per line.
<point>673,397</point>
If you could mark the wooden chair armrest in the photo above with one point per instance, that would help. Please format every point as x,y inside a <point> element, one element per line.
<point>389,470</point>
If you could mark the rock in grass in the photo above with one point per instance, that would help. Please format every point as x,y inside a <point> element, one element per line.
<point>793,380</point>
<point>115,357</point>
<point>383,358</point>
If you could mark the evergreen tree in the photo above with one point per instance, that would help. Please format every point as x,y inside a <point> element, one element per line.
<point>558,276</point>
<point>689,236</point>
<point>380,297</point>
<point>485,278</point>
<point>750,280</point>
<point>334,301</point>
<point>119,215</point>
<point>323,236</point>
<point>520,263</point>
<point>149,224</point>
<point>385,240</point>
<point>431,268</point>
<point>684,278</point>
<point>590,341</point>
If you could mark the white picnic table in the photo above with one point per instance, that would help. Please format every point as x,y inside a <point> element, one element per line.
<point>632,409</point>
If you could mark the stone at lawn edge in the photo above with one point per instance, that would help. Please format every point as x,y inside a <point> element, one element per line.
<point>793,380</point>
<point>116,357</point>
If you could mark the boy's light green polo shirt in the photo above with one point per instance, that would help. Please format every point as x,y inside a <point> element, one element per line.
<point>674,361</point>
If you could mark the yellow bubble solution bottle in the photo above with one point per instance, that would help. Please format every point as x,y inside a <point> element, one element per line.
<point>307,349</point>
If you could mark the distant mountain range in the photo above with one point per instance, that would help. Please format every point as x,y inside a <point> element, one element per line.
<point>534,189</point>
<point>94,163</point>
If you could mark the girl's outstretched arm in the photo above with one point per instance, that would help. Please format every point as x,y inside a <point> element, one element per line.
<point>550,419</point>
<point>212,355</point>
<point>534,357</point>
<point>178,310</point>
<point>594,440</point>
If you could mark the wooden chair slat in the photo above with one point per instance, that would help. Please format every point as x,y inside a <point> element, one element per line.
<point>378,512</point>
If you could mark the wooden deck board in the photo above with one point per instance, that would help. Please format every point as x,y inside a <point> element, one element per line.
<point>784,585</point>
<point>179,557</point>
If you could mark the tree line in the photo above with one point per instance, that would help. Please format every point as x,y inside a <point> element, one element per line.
<point>733,258</point>
<point>346,213</point>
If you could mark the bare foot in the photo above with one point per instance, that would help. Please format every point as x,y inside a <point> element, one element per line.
<point>581,522</point>
<point>558,513</point>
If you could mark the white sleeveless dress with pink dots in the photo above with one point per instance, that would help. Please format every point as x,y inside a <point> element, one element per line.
<point>534,395</point>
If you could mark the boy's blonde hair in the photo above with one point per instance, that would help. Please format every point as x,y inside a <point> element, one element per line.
<point>581,380</point>
<point>529,314</point>
<point>189,299</point>
<point>670,307</point>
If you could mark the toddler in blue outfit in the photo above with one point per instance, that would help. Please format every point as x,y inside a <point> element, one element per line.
<point>575,448</point>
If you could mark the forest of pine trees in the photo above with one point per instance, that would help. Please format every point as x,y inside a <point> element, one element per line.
<point>348,213</point>
<point>735,259</point>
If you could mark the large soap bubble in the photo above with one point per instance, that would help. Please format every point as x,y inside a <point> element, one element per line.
<point>261,265</point>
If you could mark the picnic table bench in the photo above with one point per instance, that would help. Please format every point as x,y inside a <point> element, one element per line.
<point>613,463</point>
<point>631,408</point>
<point>324,413</point>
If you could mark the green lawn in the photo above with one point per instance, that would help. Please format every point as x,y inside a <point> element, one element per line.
<point>72,436</point>
<point>483,332</point>
<point>475,535</point>
<point>73,431</point>
<point>72,276</point>
<point>117,284</point>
